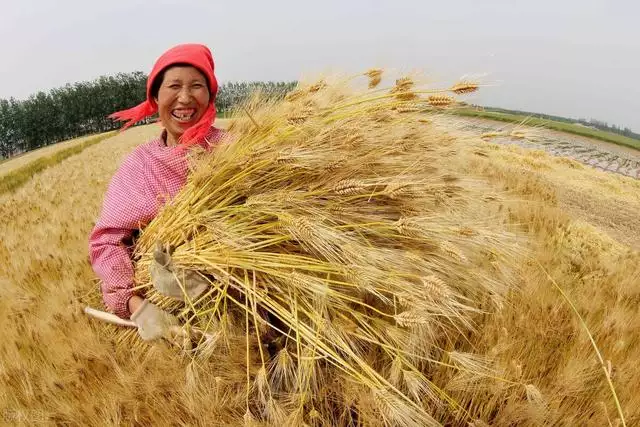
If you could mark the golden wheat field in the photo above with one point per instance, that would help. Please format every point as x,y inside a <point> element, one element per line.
<point>580,282</point>
<point>26,158</point>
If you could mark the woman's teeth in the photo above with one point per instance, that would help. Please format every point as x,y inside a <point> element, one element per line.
<point>183,115</point>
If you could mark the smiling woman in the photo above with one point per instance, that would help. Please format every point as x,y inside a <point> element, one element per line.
<point>190,66</point>
<point>182,95</point>
<point>181,88</point>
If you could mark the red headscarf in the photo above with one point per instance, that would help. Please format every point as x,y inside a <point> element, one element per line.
<point>200,57</point>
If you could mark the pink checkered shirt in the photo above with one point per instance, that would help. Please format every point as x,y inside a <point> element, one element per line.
<point>151,175</point>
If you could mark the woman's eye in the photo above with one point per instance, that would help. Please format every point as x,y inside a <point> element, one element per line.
<point>198,85</point>
<point>174,86</point>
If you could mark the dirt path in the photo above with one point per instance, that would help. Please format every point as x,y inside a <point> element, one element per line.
<point>598,154</point>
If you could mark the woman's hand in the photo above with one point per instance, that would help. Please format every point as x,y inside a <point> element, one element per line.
<point>154,323</point>
<point>134,303</point>
<point>175,282</point>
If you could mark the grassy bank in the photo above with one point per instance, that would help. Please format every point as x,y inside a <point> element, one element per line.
<point>551,124</point>
<point>18,177</point>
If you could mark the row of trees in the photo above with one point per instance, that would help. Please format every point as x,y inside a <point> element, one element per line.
<point>599,124</point>
<point>82,108</point>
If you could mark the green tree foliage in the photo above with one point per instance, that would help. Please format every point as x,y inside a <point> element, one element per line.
<point>66,112</point>
<point>82,108</point>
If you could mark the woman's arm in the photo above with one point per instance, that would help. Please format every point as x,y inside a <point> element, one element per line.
<point>125,210</point>
<point>111,260</point>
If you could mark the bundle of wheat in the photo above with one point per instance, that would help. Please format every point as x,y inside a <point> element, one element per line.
<point>347,261</point>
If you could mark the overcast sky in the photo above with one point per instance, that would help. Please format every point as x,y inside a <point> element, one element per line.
<point>576,58</point>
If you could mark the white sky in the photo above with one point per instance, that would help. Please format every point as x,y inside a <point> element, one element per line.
<point>567,57</point>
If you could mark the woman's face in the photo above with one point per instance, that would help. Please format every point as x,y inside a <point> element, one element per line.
<point>183,98</point>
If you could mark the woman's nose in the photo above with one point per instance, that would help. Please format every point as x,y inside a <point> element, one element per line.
<point>185,95</point>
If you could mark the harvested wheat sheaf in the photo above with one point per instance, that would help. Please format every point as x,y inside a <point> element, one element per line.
<point>348,294</point>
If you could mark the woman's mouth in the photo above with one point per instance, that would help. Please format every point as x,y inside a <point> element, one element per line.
<point>183,115</point>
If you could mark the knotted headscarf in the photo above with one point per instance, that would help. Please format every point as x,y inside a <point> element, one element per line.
<point>197,55</point>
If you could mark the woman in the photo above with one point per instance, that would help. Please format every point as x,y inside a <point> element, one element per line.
<point>181,88</point>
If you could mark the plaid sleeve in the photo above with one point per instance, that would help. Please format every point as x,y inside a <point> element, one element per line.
<point>126,208</point>
<point>147,177</point>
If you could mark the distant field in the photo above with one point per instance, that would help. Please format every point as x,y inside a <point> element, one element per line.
<point>17,170</point>
<point>13,163</point>
<point>551,124</point>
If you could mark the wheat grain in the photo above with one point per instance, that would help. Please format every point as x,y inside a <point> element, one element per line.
<point>464,87</point>
<point>402,89</point>
<point>294,95</point>
<point>441,100</point>
<point>407,227</point>
<point>436,288</point>
<point>403,84</point>
<point>410,107</point>
<point>317,86</point>
<point>412,318</point>
<point>397,190</point>
<point>466,231</point>
<point>349,187</point>
<point>453,251</point>
<point>375,77</point>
